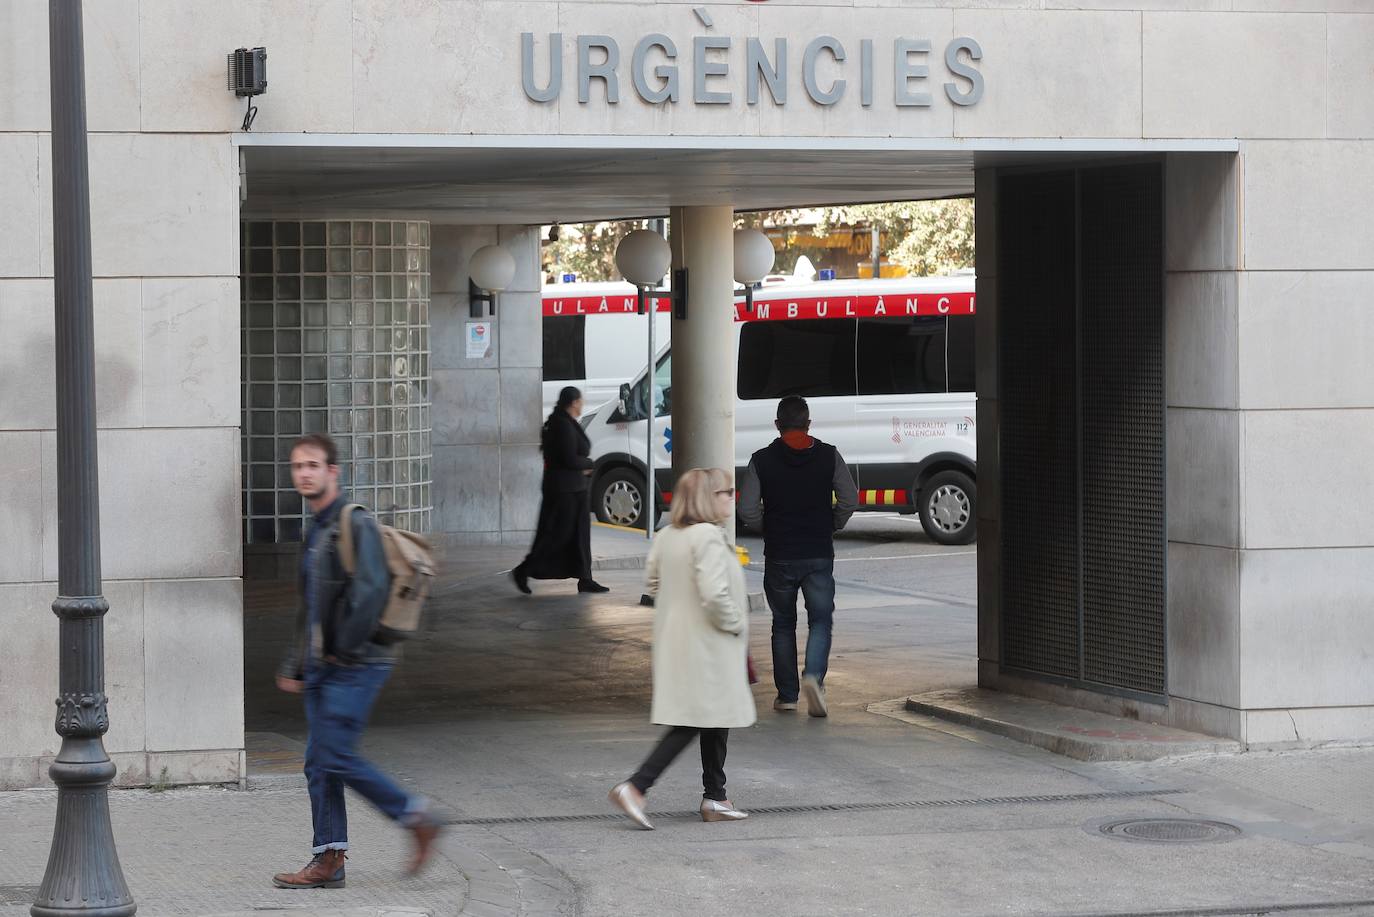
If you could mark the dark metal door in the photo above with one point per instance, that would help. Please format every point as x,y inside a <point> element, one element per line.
<point>1080,341</point>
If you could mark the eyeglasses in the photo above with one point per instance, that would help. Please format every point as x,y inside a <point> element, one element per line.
<point>728,493</point>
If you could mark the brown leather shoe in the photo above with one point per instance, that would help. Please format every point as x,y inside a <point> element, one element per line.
<point>425,831</point>
<point>325,870</point>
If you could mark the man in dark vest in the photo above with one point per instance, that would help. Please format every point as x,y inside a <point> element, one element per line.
<point>800,493</point>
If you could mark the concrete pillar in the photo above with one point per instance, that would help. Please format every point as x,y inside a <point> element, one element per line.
<point>703,371</point>
<point>487,414</point>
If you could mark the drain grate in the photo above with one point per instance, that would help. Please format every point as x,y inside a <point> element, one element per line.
<point>832,807</point>
<point>18,894</point>
<point>1171,830</point>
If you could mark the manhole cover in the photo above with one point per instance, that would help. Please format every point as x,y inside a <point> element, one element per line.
<point>1171,830</point>
<point>18,894</point>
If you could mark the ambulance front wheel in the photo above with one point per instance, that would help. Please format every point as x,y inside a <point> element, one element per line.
<point>948,506</point>
<point>618,498</point>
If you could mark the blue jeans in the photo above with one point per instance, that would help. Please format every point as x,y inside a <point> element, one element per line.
<point>338,700</point>
<point>816,580</point>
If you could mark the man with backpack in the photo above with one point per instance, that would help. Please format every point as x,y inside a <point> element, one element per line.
<point>341,659</point>
<point>800,492</point>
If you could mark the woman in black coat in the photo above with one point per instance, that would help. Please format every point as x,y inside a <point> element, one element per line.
<point>562,546</point>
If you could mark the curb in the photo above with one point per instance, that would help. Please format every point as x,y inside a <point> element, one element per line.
<point>1070,731</point>
<point>630,562</point>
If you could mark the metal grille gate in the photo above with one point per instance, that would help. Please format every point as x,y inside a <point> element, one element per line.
<point>1080,341</point>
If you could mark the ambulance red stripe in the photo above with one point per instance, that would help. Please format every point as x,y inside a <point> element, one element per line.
<point>895,305</point>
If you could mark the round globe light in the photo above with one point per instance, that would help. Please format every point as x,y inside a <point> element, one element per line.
<point>643,257</point>
<point>753,256</point>
<point>492,268</point>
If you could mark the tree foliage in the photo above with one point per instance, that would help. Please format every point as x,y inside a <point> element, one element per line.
<point>587,250</point>
<point>925,237</point>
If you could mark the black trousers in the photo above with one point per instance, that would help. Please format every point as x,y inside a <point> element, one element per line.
<point>674,741</point>
<point>562,546</point>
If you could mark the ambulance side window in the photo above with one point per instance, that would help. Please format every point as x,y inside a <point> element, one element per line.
<point>902,356</point>
<point>565,347</point>
<point>813,358</point>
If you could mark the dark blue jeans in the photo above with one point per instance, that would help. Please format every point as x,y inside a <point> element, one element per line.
<point>816,581</point>
<point>338,700</point>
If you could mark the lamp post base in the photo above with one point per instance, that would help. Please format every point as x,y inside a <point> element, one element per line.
<point>83,875</point>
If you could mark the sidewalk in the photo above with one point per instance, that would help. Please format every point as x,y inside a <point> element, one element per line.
<point>613,548</point>
<point>520,712</point>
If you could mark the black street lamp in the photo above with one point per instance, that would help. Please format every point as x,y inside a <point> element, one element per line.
<point>83,874</point>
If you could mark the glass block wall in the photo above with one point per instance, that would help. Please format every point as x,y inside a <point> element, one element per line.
<point>336,340</point>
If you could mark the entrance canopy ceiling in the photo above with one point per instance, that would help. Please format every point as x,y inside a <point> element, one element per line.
<point>534,180</point>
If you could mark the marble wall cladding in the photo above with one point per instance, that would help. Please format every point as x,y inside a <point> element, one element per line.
<point>1306,339</point>
<point>1350,108</point>
<point>28,670</point>
<point>467,406</point>
<point>1204,623</point>
<point>1213,74</point>
<point>484,488</point>
<point>1053,68</point>
<point>193,652</point>
<point>451,250</point>
<point>26,354</point>
<point>190,351</point>
<point>523,242</point>
<point>468,487</point>
<point>521,409</point>
<point>309,64</point>
<point>335,339</point>
<point>167,501</point>
<point>21,495</point>
<point>125,667</point>
<point>466,55</point>
<point>20,200</point>
<point>1204,474</point>
<point>1307,204</point>
<point>1201,350</point>
<point>1322,454</point>
<point>162,205</point>
<point>1093,88</point>
<point>1306,628</point>
<point>110,33</point>
<point>1202,212</point>
<point>521,337</point>
<point>522,469</point>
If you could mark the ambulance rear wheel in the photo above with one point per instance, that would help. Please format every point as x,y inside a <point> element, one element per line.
<point>618,498</point>
<point>948,507</point>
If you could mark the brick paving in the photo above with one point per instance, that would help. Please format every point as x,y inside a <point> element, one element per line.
<point>214,851</point>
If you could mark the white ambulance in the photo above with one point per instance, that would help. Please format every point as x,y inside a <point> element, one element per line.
<point>886,366</point>
<point>594,339</point>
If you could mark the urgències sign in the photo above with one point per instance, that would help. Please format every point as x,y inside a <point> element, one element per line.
<point>656,73</point>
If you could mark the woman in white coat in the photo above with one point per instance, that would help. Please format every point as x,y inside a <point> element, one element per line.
<point>701,644</point>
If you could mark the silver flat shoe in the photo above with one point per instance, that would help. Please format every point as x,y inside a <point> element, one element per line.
<point>621,798</point>
<point>720,811</point>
